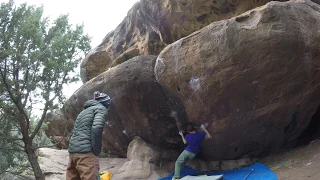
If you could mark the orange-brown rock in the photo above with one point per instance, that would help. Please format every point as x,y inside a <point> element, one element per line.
<point>255,78</point>
<point>151,25</point>
<point>139,107</point>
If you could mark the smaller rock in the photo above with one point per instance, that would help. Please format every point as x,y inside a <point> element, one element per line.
<point>143,159</point>
<point>140,150</point>
<point>53,163</point>
<point>58,129</point>
<point>60,142</point>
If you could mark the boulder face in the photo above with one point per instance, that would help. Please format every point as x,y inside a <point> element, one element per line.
<point>254,78</point>
<point>151,25</point>
<point>139,107</point>
<point>58,129</point>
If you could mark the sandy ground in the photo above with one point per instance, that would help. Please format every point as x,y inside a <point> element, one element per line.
<point>54,164</point>
<point>298,164</point>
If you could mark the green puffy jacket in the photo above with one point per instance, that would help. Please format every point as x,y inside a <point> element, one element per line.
<point>87,132</point>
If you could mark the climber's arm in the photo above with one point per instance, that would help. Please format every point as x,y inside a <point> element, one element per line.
<point>183,139</point>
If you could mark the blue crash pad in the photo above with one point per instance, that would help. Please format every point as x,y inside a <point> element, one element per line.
<point>203,177</point>
<point>260,172</point>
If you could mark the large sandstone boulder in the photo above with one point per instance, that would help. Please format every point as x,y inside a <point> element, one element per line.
<point>151,25</point>
<point>139,107</point>
<point>254,78</point>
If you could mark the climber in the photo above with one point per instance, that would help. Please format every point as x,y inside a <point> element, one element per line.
<point>86,139</point>
<point>193,140</point>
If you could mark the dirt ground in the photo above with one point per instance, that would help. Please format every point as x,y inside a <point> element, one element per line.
<point>302,163</point>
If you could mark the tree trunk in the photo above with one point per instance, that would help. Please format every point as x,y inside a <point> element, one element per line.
<point>33,159</point>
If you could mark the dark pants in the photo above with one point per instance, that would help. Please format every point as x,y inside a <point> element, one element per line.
<point>184,157</point>
<point>82,166</point>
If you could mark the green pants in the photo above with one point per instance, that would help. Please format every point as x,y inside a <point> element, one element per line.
<point>184,157</point>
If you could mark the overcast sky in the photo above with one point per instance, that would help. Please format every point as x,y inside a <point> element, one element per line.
<point>98,16</point>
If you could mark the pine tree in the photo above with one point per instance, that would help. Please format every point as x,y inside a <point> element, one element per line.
<point>36,59</point>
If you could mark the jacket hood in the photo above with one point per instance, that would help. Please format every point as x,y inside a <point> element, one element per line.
<point>90,103</point>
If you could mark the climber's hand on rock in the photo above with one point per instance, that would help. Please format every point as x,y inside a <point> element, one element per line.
<point>208,136</point>
<point>181,133</point>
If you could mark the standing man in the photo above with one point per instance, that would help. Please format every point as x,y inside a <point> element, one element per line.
<point>193,140</point>
<point>86,139</point>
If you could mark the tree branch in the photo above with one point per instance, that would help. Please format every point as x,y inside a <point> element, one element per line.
<point>12,149</point>
<point>17,174</point>
<point>11,139</point>
<point>8,111</point>
<point>15,143</point>
<point>39,124</point>
<point>23,126</point>
<point>44,113</point>
<point>16,70</point>
<point>26,80</point>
